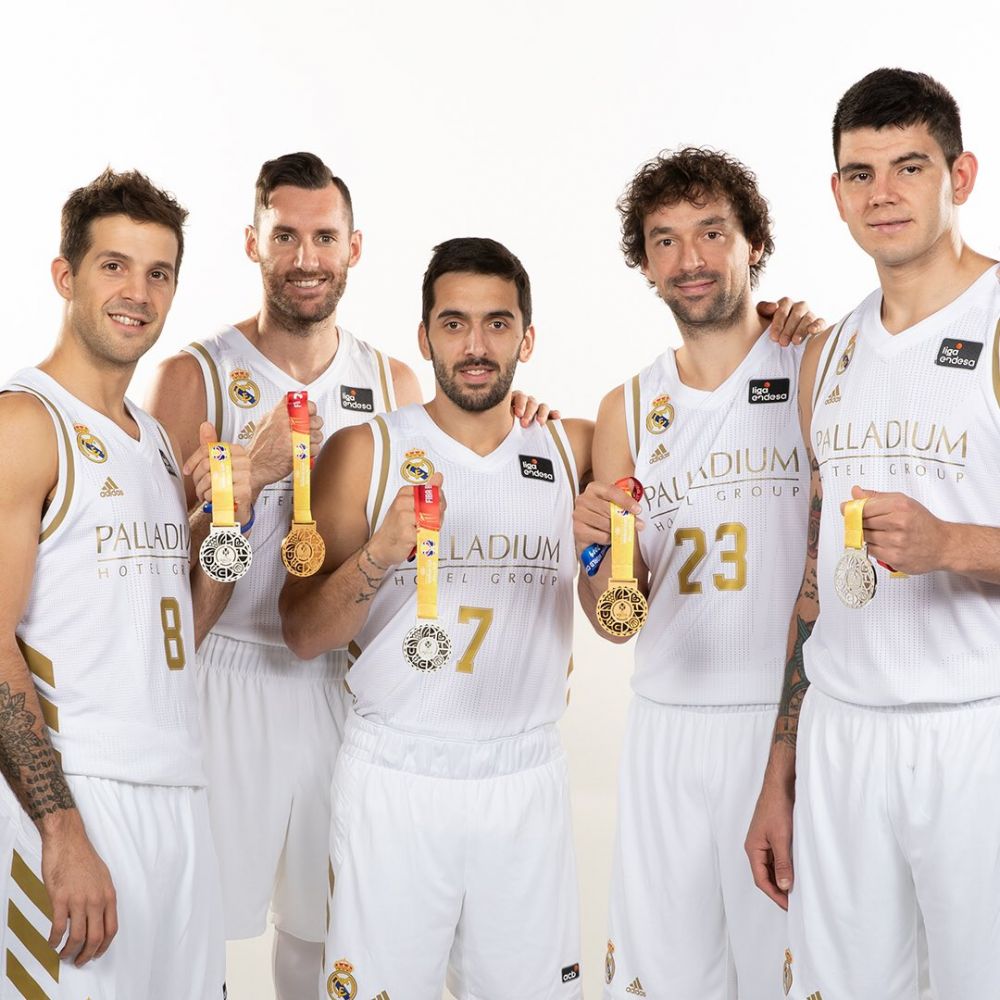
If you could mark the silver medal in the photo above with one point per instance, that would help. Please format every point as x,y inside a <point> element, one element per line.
<point>854,579</point>
<point>225,555</point>
<point>427,646</point>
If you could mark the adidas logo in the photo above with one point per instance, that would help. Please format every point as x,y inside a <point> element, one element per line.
<point>814,996</point>
<point>111,489</point>
<point>834,397</point>
<point>382,996</point>
<point>635,988</point>
<point>659,453</point>
<point>245,435</point>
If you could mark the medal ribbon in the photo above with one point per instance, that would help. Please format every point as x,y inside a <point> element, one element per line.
<point>622,544</point>
<point>427,505</point>
<point>854,536</point>
<point>298,417</point>
<point>223,504</point>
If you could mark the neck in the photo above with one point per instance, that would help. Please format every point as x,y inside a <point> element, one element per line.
<point>915,290</point>
<point>101,385</point>
<point>481,432</point>
<point>302,354</point>
<point>710,355</point>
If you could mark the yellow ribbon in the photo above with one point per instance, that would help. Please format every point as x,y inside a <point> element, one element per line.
<point>427,502</point>
<point>854,536</point>
<point>622,544</point>
<point>301,496</point>
<point>223,505</point>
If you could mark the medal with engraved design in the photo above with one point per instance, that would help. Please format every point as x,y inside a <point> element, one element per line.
<point>302,549</point>
<point>225,555</point>
<point>622,609</point>
<point>427,646</point>
<point>854,579</point>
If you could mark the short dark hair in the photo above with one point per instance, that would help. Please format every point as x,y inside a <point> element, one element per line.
<point>694,175</point>
<point>476,255</point>
<point>301,170</point>
<point>110,193</point>
<point>901,98</point>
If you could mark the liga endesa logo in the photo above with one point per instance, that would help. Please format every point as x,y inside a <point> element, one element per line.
<point>354,398</point>
<point>537,468</point>
<point>959,354</point>
<point>769,390</point>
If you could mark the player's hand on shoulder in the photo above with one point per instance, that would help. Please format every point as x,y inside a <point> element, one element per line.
<point>271,448</point>
<point>527,409</point>
<point>198,466</point>
<point>790,322</point>
<point>592,515</point>
<point>396,537</point>
<point>84,902</point>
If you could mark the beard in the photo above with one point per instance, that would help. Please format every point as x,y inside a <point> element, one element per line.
<point>721,311</point>
<point>296,316</point>
<point>478,398</point>
<point>102,346</point>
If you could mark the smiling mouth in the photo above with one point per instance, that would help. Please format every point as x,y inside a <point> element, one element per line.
<point>889,226</point>
<point>124,320</point>
<point>306,282</point>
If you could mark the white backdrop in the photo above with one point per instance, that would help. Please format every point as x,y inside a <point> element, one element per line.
<point>521,121</point>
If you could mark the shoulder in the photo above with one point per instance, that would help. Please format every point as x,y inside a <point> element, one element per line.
<point>580,434</point>
<point>404,383</point>
<point>27,431</point>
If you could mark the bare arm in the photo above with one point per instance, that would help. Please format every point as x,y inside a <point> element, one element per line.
<point>405,386</point>
<point>78,882</point>
<point>591,519</point>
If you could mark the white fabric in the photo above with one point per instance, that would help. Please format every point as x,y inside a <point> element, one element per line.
<point>722,474</point>
<point>157,845</point>
<point>894,420</point>
<point>273,726</point>
<point>506,574</point>
<point>252,612</point>
<point>108,629</point>
<point>448,852</point>
<point>295,964</point>
<point>895,810</point>
<point>686,917</point>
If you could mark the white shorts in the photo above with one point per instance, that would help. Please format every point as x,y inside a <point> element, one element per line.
<point>686,919</point>
<point>272,726</point>
<point>452,856</point>
<point>157,845</point>
<point>897,814</point>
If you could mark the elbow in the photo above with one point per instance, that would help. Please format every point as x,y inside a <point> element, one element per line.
<point>295,635</point>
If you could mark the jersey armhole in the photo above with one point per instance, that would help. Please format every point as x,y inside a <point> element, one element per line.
<point>214,409</point>
<point>632,391</point>
<point>380,461</point>
<point>996,363</point>
<point>565,450</point>
<point>385,381</point>
<point>826,356</point>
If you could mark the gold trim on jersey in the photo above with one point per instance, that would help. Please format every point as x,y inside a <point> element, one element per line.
<point>39,664</point>
<point>330,876</point>
<point>60,514</point>
<point>573,486</point>
<point>636,413</point>
<point>383,475</point>
<point>30,884</point>
<point>32,939</point>
<point>569,670</point>
<point>829,358</point>
<point>22,980</point>
<point>996,362</point>
<point>383,380</point>
<point>213,371</point>
<point>353,653</point>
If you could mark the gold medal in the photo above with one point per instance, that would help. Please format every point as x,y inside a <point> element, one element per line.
<point>225,555</point>
<point>622,609</point>
<point>302,549</point>
<point>427,646</point>
<point>854,578</point>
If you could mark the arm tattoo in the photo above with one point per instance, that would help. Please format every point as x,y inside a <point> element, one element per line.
<point>28,761</point>
<point>794,688</point>
<point>372,581</point>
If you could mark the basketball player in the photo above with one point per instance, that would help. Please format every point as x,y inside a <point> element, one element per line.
<point>709,431</point>
<point>895,781</point>
<point>273,724</point>
<point>451,828</point>
<point>105,823</point>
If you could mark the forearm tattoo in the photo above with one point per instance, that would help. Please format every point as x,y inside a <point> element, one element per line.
<point>28,761</point>
<point>366,564</point>
<point>795,686</point>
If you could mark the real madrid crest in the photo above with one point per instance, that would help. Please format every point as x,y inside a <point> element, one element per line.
<point>786,972</point>
<point>243,391</point>
<point>660,416</point>
<point>90,445</point>
<point>342,985</point>
<point>417,468</point>
<point>845,358</point>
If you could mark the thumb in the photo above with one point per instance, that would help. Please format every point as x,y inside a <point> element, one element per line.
<point>436,480</point>
<point>857,493</point>
<point>206,433</point>
<point>766,308</point>
<point>783,874</point>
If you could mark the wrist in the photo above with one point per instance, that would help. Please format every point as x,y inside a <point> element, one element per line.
<point>59,825</point>
<point>379,554</point>
<point>953,551</point>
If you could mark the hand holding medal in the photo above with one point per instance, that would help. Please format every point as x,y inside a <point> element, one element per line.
<point>302,549</point>
<point>622,609</point>
<point>593,555</point>
<point>225,555</point>
<point>854,578</point>
<point>427,646</point>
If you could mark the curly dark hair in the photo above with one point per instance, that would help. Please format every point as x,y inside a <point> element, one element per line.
<point>694,175</point>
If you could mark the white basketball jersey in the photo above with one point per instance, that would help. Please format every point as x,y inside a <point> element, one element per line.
<point>505,584</point>
<point>108,631</point>
<point>915,413</point>
<point>727,482</point>
<point>242,387</point>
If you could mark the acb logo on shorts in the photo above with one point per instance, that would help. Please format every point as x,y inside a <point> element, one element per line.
<point>416,467</point>
<point>90,445</point>
<point>342,985</point>
<point>660,416</point>
<point>243,391</point>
